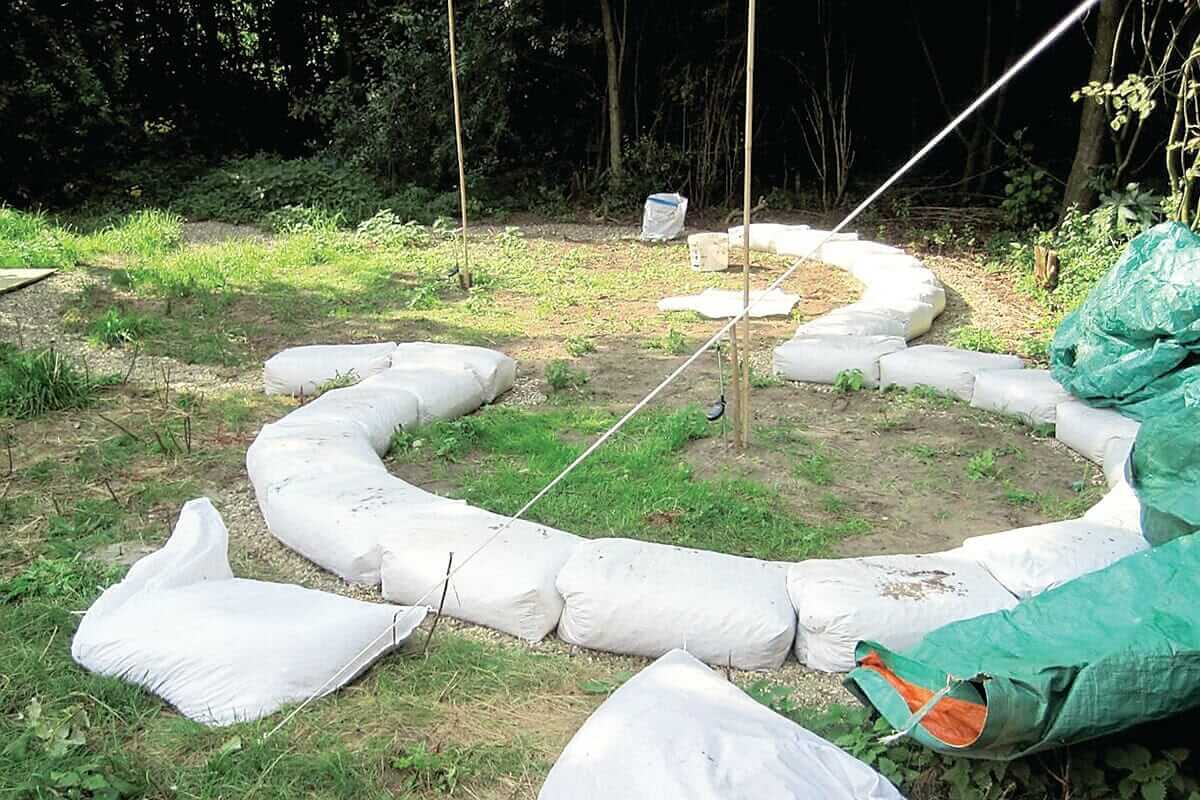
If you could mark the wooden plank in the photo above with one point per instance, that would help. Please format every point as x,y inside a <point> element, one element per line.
<point>13,279</point>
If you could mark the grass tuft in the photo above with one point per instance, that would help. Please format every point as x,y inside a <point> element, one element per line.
<point>36,382</point>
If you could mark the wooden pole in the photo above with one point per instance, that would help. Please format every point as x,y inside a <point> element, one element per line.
<point>743,409</point>
<point>464,270</point>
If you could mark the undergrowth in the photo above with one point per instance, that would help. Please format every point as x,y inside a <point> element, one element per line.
<point>36,382</point>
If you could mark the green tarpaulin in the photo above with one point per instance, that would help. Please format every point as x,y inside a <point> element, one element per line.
<point>1102,653</point>
<point>1134,344</point>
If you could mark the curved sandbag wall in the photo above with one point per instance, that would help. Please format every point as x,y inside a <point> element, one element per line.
<point>325,492</point>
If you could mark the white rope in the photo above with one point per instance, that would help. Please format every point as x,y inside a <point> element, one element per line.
<point>1003,80</point>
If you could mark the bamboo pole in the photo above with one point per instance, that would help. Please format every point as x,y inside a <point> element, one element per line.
<point>464,270</point>
<point>743,409</point>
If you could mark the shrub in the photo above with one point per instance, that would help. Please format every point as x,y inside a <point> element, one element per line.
<point>969,337</point>
<point>39,381</point>
<point>672,342</point>
<point>561,376</point>
<point>848,380</point>
<point>385,229</point>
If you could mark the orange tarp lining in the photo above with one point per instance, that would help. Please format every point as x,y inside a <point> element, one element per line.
<point>954,721</point>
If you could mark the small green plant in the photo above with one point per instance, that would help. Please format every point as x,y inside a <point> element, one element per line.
<point>425,296</point>
<point>385,229</point>
<point>832,504</point>
<point>580,345</point>
<point>849,380</point>
<point>37,382</point>
<point>561,376</point>
<point>428,770</point>
<point>924,453</point>
<point>672,342</point>
<point>983,465</point>
<point>764,380</point>
<point>340,380</point>
<point>1036,347</point>
<point>1131,208</point>
<point>69,579</point>
<point>815,468</point>
<point>969,337</point>
<point>117,327</point>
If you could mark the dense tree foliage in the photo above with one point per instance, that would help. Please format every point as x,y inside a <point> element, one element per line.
<point>100,96</point>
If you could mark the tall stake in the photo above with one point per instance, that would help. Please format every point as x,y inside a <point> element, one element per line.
<point>743,406</point>
<point>464,271</point>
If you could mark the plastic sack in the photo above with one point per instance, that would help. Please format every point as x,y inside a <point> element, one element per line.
<point>843,322</point>
<point>642,598</point>
<point>663,217</point>
<point>1105,652</point>
<point>1088,431</point>
<point>222,649</point>
<point>946,369</point>
<point>893,599</point>
<point>302,370</point>
<point>508,586</point>
<point>821,358</point>
<point>679,731</point>
<point>1032,560</point>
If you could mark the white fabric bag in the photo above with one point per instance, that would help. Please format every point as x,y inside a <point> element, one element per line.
<point>508,586</point>
<point>725,303</point>
<point>1088,430</point>
<point>291,450</point>
<point>762,235</point>
<point>337,521</point>
<point>222,649</point>
<point>946,369</point>
<point>1030,394</point>
<point>442,393</point>
<point>801,242</point>
<point>843,322</point>
<point>495,371</point>
<point>847,254</point>
<point>379,405</point>
<point>893,600</point>
<point>1116,456</point>
<point>301,370</point>
<point>642,598</point>
<point>679,731</point>
<point>892,288</point>
<point>820,358</point>
<point>1029,561</point>
<point>917,317</point>
<point>1119,508</point>
<point>663,217</point>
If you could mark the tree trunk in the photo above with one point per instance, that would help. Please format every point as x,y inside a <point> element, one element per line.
<point>1093,125</point>
<point>615,166</point>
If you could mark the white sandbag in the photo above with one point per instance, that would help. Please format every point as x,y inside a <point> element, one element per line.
<point>442,392</point>
<point>508,586</point>
<point>892,288</point>
<point>762,235</point>
<point>337,521</point>
<point>221,649</point>
<point>801,242</point>
<point>293,450</point>
<point>1029,561</point>
<point>819,359</point>
<point>495,371</point>
<point>917,317</point>
<point>893,600</point>
<point>946,369</point>
<point>379,405</point>
<point>1088,430</point>
<point>709,252</point>
<point>1116,457</point>
<point>642,598</point>
<point>679,731</point>
<point>1030,394</point>
<point>852,323</point>
<point>847,254</point>
<point>1119,508</point>
<point>301,370</point>
<point>891,264</point>
<point>723,303</point>
<point>663,217</point>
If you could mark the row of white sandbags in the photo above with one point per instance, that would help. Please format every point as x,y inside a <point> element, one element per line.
<point>223,649</point>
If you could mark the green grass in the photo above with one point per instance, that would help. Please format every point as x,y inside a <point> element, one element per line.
<point>982,340</point>
<point>561,376</point>
<point>30,240</point>
<point>116,328</point>
<point>816,468</point>
<point>639,485</point>
<point>37,382</point>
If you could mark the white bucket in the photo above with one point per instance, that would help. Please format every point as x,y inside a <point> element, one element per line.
<point>709,251</point>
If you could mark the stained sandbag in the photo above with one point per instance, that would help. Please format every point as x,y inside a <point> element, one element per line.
<point>1116,459</point>
<point>801,242</point>
<point>891,265</point>
<point>509,585</point>
<point>1031,394</point>
<point>301,370</point>
<point>892,599</point>
<point>442,392</point>
<point>886,290</point>
<point>223,649</point>
<point>852,323</point>
<point>821,358</point>
<point>917,317</point>
<point>1119,508</point>
<point>642,598</point>
<point>1032,560</point>
<point>947,369</point>
<point>379,405</point>
<point>679,731</point>
<point>762,235</point>
<point>724,303</point>
<point>495,371</point>
<point>847,254</point>
<point>337,522</point>
<point>1088,430</point>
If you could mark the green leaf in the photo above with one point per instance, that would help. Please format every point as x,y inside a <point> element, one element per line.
<point>232,745</point>
<point>1154,791</point>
